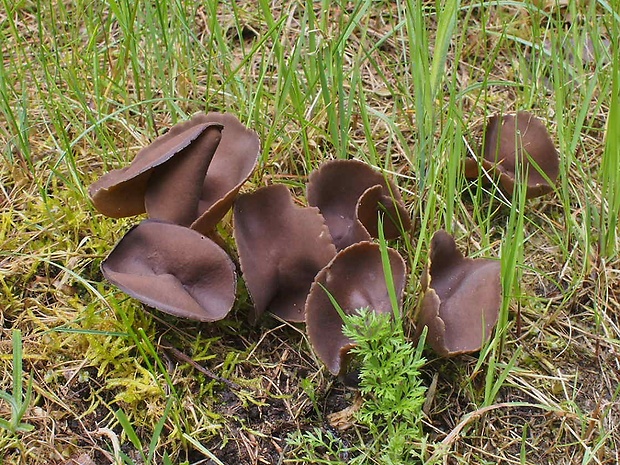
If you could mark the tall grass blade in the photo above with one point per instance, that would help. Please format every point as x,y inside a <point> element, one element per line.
<point>387,271</point>
<point>158,430</point>
<point>447,15</point>
<point>18,401</point>
<point>610,170</point>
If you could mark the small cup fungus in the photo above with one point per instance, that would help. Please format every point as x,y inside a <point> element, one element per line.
<point>462,297</point>
<point>355,279</point>
<point>518,142</point>
<point>349,194</point>
<point>174,269</point>
<point>189,176</point>
<point>281,248</point>
<point>121,192</point>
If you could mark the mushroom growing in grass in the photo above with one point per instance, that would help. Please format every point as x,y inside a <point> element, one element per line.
<point>518,142</point>
<point>281,248</point>
<point>189,176</point>
<point>462,298</point>
<point>355,279</point>
<point>174,269</point>
<point>120,193</point>
<point>349,194</point>
<point>233,163</point>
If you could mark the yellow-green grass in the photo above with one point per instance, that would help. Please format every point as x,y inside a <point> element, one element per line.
<point>403,85</point>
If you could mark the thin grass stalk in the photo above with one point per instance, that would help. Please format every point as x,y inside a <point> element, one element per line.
<point>610,169</point>
<point>387,272</point>
<point>420,65</point>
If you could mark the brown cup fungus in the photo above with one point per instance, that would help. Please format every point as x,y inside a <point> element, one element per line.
<point>189,176</point>
<point>518,142</point>
<point>462,298</point>
<point>174,269</point>
<point>186,181</point>
<point>233,163</point>
<point>350,194</point>
<point>122,192</point>
<point>281,248</point>
<point>355,279</point>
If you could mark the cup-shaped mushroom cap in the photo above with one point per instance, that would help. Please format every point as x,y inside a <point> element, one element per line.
<point>519,141</point>
<point>121,192</point>
<point>462,297</point>
<point>281,249</point>
<point>233,163</point>
<point>355,279</point>
<point>174,269</point>
<point>174,189</point>
<point>345,191</point>
<point>374,200</point>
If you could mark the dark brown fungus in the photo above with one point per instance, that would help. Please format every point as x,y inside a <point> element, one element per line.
<point>374,200</point>
<point>233,163</point>
<point>189,176</point>
<point>121,192</point>
<point>356,280</point>
<point>281,248</point>
<point>349,194</point>
<point>462,297</point>
<point>174,269</point>
<point>174,189</point>
<point>516,140</point>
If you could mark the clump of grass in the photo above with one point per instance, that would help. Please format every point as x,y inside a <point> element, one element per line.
<point>17,400</point>
<point>609,173</point>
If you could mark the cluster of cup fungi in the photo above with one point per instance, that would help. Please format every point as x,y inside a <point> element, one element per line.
<point>293,257</point>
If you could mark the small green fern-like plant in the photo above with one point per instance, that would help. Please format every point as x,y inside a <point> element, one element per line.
<point>394,394</point>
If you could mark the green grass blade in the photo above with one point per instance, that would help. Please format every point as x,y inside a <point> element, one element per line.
<point>9,399</point>
<point>202,449</point>
<point>334,302</point>
<point>447,16</point>
<point>610,170</point>
<point>158,430</point>
<point>387,271</point>
<point>129,430</point>
<point>17,368</point>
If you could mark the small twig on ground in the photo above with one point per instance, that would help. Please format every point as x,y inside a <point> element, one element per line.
<point>208,373</point>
